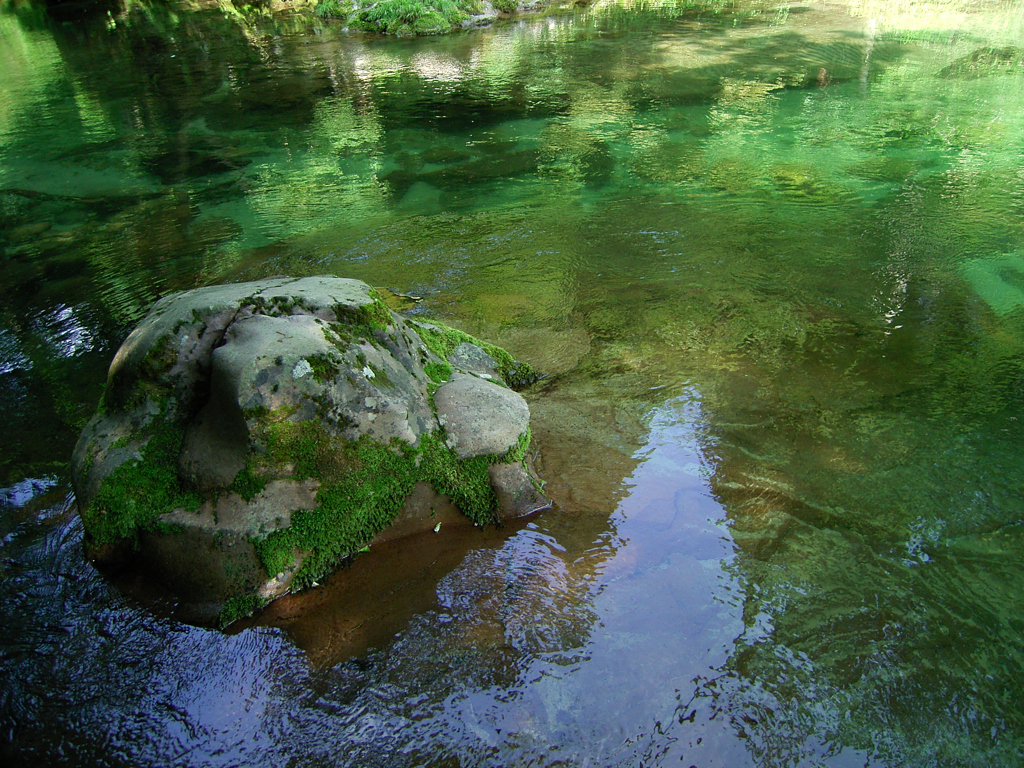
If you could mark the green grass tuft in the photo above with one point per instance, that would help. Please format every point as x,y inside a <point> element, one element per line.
<point>334,9</point>
<point>411,17</point>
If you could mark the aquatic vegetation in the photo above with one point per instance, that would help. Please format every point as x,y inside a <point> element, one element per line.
<point>986,61</point>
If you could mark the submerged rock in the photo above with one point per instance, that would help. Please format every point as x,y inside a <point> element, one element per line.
<point>984,62</point>
<point>253,436</point>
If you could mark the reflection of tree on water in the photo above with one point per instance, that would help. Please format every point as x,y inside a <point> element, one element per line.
<point>163,170</point>
<point>902,671</point>
<point>878,555</point>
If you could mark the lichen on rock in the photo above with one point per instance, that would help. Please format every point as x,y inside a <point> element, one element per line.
<point>253,436</point>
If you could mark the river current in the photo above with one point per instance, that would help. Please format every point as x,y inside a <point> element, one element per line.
<point>770,259</point>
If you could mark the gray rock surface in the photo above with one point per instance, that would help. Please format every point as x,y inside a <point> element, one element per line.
<point>479,416</point>
<point>252,436</point>
<point>472,359</point>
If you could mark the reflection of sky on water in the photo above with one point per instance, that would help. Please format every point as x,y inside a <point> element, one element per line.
<point>602,645</point>
<point>11,356</point>
<point>542,650</point>
<point>22,492</point>
<point>661,611</point>
<point>60,329</point>
<point>670,611</point>
<point>64,332</point>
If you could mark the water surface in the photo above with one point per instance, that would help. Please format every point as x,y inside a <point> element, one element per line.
<point>771,258</point>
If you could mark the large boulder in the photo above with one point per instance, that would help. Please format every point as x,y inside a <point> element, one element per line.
<point>253,436</point>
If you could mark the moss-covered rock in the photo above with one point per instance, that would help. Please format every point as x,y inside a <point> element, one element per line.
<point>253,436</point>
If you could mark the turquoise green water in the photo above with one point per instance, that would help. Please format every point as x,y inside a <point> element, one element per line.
<point>772,260</point>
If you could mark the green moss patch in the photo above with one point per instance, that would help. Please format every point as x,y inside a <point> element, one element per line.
<point>517,453</point>
<point>130,386</point>
<point>324,368</point>
<point>352,321</point>
<point>247,485</point>
<point>438,372</point>
<point>442,341</point>
<point>466,481</point>
<point>380,376</point>
<point>239,607</point>
<point>363,486</point>
<point>138,492</point>
<point>375,315</point>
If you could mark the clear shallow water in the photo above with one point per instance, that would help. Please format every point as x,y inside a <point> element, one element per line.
<point>781,312</point>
